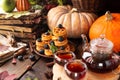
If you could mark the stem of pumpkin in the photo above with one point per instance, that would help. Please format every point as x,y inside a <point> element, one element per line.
<point>108,15</point>
<point>73,10</point>
<point>61,2</point>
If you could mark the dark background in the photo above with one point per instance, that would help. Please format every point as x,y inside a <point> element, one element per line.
<point>113,5</point>
<point>105,5</point>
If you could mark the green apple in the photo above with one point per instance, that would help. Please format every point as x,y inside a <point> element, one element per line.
<point>7,5</point>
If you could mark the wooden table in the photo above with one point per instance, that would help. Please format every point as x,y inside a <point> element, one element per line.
<point>39,70</point>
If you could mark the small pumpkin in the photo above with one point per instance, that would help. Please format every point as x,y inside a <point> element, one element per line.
<point>108,24</point>
<point>74,21</point>
<point>22,5</point>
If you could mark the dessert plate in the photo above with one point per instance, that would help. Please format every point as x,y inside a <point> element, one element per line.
<point>72,48</point>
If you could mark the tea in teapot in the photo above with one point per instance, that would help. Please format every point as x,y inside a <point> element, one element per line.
<point>98,54</point>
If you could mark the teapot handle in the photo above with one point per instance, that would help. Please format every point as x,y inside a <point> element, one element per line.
<point>85,42</point>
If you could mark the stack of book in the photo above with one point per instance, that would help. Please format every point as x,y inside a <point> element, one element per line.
<point>23,27</point>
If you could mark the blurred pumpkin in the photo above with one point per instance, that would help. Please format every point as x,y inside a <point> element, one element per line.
<point>95,6</point>
<point>74,21</point>
<point>22,5</point>
<point>108,24</point>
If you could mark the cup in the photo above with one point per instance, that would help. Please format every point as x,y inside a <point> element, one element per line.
<point>62,57</point>
<point>76,70</point>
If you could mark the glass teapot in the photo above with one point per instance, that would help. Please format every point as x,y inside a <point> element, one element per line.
<point>99,55</point>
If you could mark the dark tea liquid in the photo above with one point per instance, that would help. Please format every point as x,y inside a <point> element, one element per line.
<point>103,66</point>
<point>75,67</point>
<point>75,70</point>
<point>64,57</point>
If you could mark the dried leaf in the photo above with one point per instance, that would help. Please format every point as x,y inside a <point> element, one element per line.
<point>3,75</point>
<point>28,78</point>
<point>11,77</point>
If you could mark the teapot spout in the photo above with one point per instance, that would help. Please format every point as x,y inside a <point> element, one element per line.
<point>85,45</point>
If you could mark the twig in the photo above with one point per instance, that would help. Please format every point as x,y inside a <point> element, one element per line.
<point>31,47</point>
<point>50,64</point>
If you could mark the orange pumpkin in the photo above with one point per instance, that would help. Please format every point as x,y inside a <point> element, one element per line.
<point>108,24</point>
<point>74,21</point>
<point>22,5</point>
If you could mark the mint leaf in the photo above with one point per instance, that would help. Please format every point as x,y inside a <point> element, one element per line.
<point>53,48</point>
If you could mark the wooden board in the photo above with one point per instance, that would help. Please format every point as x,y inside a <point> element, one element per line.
<point>19,69</point>
<point>103,76</point>
<point>58,72</point>
<point>19,34</point>
<point>23,28</point>
<point>39,70</point>
<point>11,22</point>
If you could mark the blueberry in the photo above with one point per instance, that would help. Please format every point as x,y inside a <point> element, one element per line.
<point>46,46</point>
<point>41,51</point>
<point>60,38</point>
<point>39,39</point>
<point>20,57</point>
<point>52,42</point>
<point>60,26</point>
<point>47,33</point>
<point>62,48</point>
<point>32,57</point>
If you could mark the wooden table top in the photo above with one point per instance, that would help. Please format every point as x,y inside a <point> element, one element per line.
<point>40,69</point>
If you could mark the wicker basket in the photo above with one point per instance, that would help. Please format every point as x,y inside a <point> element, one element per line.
<point>89,5</point>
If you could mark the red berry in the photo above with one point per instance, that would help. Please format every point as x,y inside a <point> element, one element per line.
<point>29,67</point>
<point>14,61</point>
<point>49,6</point>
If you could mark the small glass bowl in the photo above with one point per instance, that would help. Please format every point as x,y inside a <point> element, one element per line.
<point>62,57</point>
<point>76,69</point>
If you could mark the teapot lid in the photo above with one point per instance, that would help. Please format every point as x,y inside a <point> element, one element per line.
<point>101,45</point>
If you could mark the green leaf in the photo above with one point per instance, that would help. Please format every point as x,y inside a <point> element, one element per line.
<point>36,7</point>
<point>33,2</point>
<point>28,78</point>
<point>35,79</point>
<point>17,14</point>
<point>61,2</point>
<point>50,31</point>
<point>53,48</point>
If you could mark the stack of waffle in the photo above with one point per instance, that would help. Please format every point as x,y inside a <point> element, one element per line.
<point>57,40</point>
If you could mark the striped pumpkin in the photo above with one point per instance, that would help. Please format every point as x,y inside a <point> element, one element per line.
<point>75,22</point>
<point>22,5</point>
